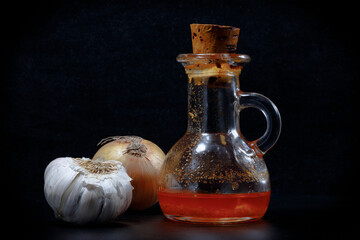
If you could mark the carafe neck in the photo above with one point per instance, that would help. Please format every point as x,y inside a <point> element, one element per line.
<point>212,101</point>
<point>213,83</point>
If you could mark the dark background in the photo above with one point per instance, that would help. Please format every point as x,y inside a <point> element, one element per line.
<point>75,72</point>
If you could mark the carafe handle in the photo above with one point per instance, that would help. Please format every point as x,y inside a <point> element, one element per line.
<point>273,120</point>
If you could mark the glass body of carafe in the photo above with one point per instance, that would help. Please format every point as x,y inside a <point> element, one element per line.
<point>213,174</point>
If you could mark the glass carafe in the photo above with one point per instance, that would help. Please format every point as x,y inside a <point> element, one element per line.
<point>213,174</point>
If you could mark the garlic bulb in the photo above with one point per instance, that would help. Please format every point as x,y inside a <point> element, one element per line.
<point>81,190</point>
<point>142,160</point>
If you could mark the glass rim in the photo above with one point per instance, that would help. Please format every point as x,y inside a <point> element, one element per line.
<point>240,58</point>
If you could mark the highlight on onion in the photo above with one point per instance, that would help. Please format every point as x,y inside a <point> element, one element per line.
<point>142,160</point>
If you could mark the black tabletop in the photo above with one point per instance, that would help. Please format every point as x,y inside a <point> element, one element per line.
<point>288,217</point>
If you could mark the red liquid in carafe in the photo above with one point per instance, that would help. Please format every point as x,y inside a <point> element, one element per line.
<point>213,208</point>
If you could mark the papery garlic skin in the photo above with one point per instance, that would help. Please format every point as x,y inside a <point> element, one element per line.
<point>81,190</point>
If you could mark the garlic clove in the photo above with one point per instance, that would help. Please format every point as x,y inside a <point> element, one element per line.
<point>110,210</point>
<point>71,197</point>
<point>110,186</point>
<point>59,180</point>
<point>90,203</point>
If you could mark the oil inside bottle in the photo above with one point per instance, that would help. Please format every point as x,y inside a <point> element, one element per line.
<point>213,208</point>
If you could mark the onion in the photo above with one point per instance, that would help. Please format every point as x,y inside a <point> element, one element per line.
<point>142,160</point>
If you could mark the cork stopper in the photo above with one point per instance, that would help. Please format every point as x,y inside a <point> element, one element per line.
<point>211,38</point>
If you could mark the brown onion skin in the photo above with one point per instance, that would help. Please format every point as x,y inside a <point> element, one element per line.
<point>143,168</point>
